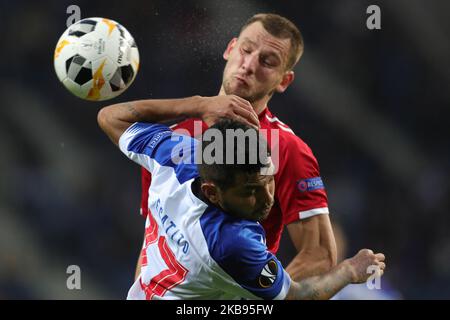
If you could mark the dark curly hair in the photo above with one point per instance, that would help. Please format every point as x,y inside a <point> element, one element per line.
<point>242,149</point>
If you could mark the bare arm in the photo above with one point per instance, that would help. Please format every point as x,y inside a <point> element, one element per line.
<point>324,287</point>
<point>115,119</point>
<point>314,240</point>
<point>321,287</point>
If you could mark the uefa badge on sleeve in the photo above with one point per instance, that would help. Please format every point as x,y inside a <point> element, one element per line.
<point>310,184</point>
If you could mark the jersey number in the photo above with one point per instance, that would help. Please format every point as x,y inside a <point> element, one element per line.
<point>168,278</point>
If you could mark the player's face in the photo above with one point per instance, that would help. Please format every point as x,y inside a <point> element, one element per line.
<point>251,197</point>
<point>256,64</point>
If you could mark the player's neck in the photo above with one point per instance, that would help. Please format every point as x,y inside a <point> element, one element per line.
<point>260,105</point>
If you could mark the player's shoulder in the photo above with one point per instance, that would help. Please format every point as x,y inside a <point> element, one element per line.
<point>228,236</point>
<point>183,124</point>
<point>140,136</point>
<point>288,141</point>
<point>158,148</point>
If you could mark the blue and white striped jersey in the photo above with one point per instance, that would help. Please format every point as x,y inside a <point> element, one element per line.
<point>193,250</point>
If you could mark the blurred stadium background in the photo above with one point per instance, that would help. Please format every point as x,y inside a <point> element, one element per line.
<point>373,106</point>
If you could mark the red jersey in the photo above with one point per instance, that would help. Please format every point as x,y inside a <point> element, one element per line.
<point>299,190</point>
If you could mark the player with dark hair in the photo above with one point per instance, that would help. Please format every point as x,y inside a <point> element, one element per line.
<point>259,63</point>
<point>203,239</point>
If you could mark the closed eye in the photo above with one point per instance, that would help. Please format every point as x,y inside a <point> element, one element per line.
<point>269,62</point>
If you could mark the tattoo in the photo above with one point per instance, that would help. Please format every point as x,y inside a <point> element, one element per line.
<point>320,287</point>
<point>315,294</point>
<point>133,111</point>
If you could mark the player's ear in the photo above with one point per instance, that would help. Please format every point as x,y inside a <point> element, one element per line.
<point>287,79</point>
<point>230,47</point>
<point>210,191</point>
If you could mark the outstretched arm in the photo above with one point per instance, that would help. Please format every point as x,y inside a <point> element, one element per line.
<point>353,270</point>
<point>314,240</point>
<point>115,119</point>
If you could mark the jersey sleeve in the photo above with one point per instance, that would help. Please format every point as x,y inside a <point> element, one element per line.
<point>155,147</point>
<point>189,126</point>
<point>257,271</point>
<point>299,187</point>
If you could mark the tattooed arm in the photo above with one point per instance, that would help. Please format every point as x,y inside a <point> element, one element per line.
<point>353,270</point>
<point>115,119</point>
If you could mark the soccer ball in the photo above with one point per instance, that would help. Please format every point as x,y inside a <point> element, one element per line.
<point>96,59</point>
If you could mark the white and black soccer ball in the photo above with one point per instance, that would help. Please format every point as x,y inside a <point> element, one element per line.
<point>96,59</point>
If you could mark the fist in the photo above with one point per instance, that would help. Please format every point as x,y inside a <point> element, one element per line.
<point>359,264</point>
